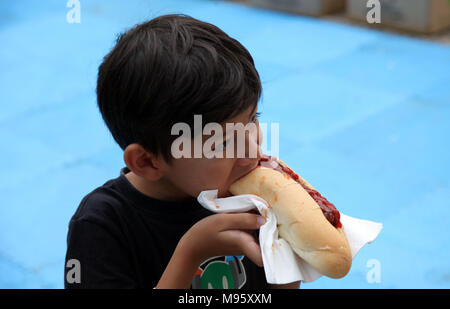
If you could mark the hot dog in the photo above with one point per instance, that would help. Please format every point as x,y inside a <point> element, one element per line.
<point>306,220</point>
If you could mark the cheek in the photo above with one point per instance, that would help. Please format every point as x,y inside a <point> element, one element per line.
<point>195,175</point>
<point>216,175</point>
<point>206,174</point>
<point>217,172</point>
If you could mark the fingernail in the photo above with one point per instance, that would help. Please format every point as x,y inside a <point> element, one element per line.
<point>261,220</point>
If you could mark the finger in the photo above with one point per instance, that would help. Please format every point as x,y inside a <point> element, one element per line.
<point>241,221</point>
<point>248,246</point>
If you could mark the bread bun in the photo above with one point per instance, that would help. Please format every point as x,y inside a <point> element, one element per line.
<point>301,221</point>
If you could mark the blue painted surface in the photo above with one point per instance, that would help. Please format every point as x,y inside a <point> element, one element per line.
<point>364,116</point>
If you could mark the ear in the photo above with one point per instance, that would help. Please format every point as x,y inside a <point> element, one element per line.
<point>142,162</point>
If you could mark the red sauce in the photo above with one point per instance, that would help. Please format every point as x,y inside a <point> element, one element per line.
<point>330,212</point>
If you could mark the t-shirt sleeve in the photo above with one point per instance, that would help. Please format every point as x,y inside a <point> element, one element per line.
<point>96,257</point>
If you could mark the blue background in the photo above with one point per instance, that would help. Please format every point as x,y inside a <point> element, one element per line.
<point>364,116</point>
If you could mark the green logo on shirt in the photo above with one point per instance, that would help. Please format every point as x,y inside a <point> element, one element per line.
<point>225,272</point>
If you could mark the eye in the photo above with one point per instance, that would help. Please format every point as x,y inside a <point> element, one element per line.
<point>221,146</point>
<point>224,144</point>
<point>256,117</point>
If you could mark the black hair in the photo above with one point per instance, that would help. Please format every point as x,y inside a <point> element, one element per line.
<point>166,70</point>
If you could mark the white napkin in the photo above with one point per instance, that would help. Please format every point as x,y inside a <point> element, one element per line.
<point>281,264</point>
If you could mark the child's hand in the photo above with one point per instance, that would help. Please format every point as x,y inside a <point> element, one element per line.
<point>223,234</point>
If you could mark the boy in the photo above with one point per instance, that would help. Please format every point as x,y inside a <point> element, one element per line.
<point>145,228</point>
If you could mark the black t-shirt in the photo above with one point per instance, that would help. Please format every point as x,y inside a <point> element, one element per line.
<point>122,238</point>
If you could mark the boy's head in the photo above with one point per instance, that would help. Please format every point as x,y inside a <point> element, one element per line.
<point>163,72</point>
